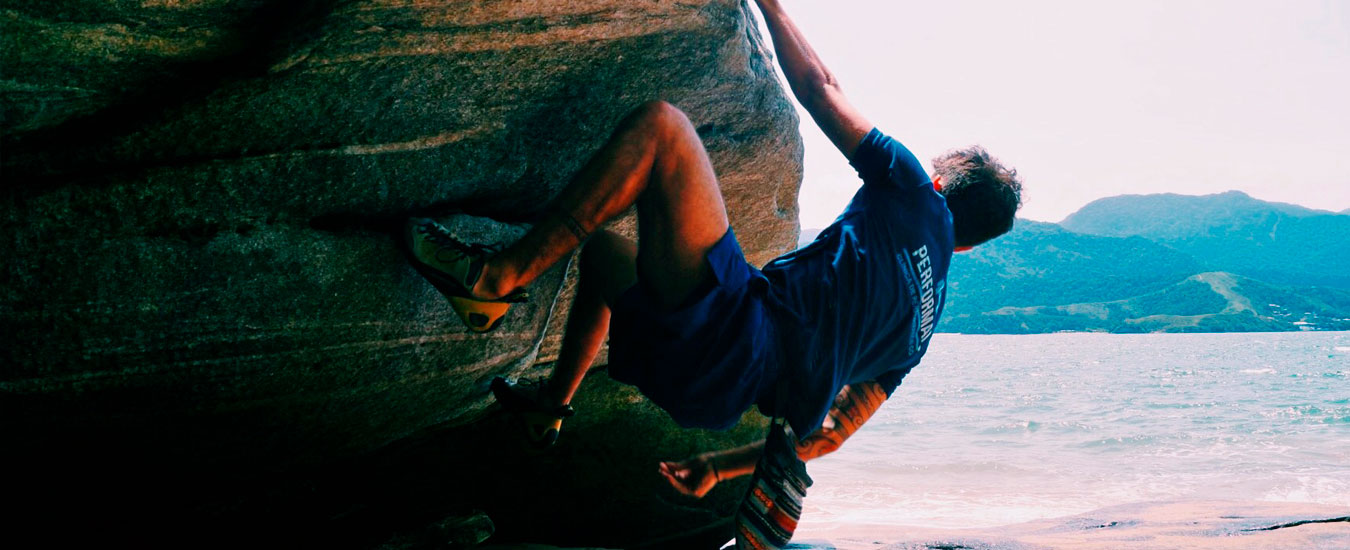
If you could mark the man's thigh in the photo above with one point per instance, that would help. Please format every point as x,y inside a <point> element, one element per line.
<point>680,217</point>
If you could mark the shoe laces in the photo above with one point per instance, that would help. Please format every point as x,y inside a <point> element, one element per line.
<point>530,386</point>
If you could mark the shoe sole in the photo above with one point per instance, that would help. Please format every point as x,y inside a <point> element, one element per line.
<point>479,316</point>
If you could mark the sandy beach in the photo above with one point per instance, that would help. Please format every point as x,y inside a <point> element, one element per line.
<point>1194,525</point>
<point>1197,525</point>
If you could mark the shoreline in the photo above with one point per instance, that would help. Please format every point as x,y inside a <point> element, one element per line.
<point>1174,525</point>
<point>1170,525</point>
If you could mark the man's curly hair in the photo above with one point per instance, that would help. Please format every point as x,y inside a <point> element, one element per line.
<point>982,194</point>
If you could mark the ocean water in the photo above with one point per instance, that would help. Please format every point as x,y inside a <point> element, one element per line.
<point>993,430</point>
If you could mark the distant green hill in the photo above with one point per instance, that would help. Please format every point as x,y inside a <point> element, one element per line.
<point>1207,302</point>
<point>1042,264</point>
<point>1158,263</point>
<point>1274,242</point>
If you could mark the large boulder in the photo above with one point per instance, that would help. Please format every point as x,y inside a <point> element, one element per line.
<point>201,199</point>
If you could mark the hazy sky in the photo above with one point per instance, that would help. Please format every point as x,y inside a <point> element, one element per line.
<point>1093,99</point>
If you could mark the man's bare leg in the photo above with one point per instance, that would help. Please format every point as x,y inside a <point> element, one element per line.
<point>608,267</point>
<point>656,160</point>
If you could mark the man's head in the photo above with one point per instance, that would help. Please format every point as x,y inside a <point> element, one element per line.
<point>982,194</point>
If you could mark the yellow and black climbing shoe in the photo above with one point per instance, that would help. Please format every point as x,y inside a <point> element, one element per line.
<point>522,399</point>
<point>453,267</point>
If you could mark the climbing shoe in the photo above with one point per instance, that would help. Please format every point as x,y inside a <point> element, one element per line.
<point>453,267</point>
<point>522,399</point>
<point>768,515</point>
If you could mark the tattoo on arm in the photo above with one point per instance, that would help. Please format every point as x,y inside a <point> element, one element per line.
<point>852,407</point>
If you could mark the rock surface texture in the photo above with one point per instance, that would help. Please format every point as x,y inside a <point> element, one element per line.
<point>199,214</point>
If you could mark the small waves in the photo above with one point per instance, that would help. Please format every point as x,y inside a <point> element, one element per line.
<point>1206,405</point>
<point>1031,426</point>
<point>1071,423</point>
<point>1120,441</point>
<point>1311,489</point>
<point>965,468</point>
<point>1310,414</point>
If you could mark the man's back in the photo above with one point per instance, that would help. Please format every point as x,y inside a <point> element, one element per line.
<point>861,302</point>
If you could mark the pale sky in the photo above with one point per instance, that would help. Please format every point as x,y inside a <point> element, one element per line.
<point>1089,99</point>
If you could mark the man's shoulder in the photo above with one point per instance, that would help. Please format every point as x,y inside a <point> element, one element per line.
<point>882,159</point>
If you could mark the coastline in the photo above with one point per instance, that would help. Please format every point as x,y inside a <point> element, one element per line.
<point>1179,525</point>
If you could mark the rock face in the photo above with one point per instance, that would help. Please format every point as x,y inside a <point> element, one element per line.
<point>201,198</point>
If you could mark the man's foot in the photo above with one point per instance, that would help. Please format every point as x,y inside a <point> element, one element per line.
<point>454,267</point>
<point>542,423</point>
<point>768,515</point>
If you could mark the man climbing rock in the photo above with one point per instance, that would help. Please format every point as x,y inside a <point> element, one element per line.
<point>819,337</point>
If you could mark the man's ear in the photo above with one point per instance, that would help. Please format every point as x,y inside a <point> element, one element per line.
<point>937,186</point>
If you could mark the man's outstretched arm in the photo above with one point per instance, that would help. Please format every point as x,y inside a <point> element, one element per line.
<point>812,83</point>
<point>852,407</point>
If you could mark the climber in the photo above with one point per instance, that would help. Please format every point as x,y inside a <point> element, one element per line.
<point>820,336</point>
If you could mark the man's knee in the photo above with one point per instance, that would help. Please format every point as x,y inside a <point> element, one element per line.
<point>662,116</point>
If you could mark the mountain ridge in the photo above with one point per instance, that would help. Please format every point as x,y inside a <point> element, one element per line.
<point>1276,242</point>
<point>1232,198</point>
<point>1162,262</point>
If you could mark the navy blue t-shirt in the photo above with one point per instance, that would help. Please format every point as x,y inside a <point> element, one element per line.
<point>861,302</point>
